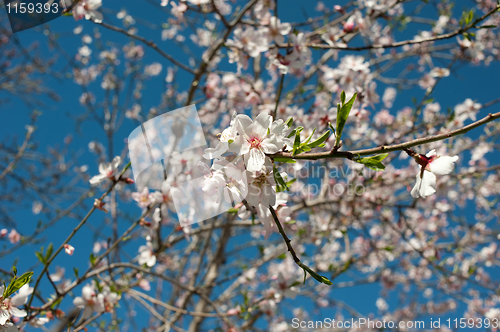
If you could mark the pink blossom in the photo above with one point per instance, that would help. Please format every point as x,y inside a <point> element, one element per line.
<point>69,249</point>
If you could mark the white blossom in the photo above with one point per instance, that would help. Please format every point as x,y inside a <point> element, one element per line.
<point>254,141</point>
<point>430,165</point>
<point>146,255</point>
<point>107,171</point>
<point>10,307</point>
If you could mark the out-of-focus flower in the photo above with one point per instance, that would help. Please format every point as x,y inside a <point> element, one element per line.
<point>107,170</point>
<point>90,301</point>
<point>146,255</point>
<point>69,249</point>
<point>277,30</point>
<point>14,236</point>
<point>88,9</point>
<point>143,198</point>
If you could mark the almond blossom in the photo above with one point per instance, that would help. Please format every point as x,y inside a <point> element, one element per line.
<point>10,307</point>
<point>69,249</point>
<point>146,255</point>
<point>277,30</point>
<point>254,141</point>
<point>90,301</point>
<point>143,198</point>
<point>430,165</point>
<point>88,9</point>
<point>107,170</point>
<point>261,188</point>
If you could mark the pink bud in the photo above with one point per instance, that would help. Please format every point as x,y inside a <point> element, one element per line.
<point>69,249</point>
<point>128,181</point>
<point>339,9</point>
<point>348,26</point>
<point>233,312</point>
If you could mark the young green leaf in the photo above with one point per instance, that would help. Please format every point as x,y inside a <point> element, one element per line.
<point>331,127</point>
<point>16,284</point>
<point>342,116</point>
<point>316,276</point>
<point>280,183</point>
<point>285,160</point>
<point>373,162</point>
<point>296,143</point>
<point>309,138</point>
<point>40,257</point>
<point>50,249</point>
<point>289,122</point>
<point>295,131</point>
<point>320,140</point>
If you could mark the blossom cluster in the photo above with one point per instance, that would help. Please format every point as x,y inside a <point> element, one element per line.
<point>96,299</point>
<point>253,180</point>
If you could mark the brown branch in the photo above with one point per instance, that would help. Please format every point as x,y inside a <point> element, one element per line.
<point>387,148</point>
<point>19,154</point>
<point>215,48</point>
<point>150,44</point>
<point>304,267</point>
<point>405,42</point>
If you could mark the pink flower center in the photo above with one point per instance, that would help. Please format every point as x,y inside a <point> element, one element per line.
<point>424,161</point>
<point>255,141</point>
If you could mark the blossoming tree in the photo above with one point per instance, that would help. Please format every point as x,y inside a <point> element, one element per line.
<point>343,161</point>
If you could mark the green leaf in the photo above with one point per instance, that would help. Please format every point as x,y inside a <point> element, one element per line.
<point>295,131</point>
<point>373,162</point>
<point>285,160</point>
<point>50,249</point>
<point>280,183</point>
<point>331,127</point>
<point>320,140</point>
<point>342,97</point>
<point>16,284</point>
<point>342,116</point>
<point>303,148</point>
<point>92,259</point>
<point>296,143</point>
<point>288,183</point>
<point>15,270</point>
<point>40,257</point>
<point>487,27</point>
<point>470,17</point>
<point>309,138</point>
<point>316,276</point>
<point>289,122</point>
<point>232,210</point>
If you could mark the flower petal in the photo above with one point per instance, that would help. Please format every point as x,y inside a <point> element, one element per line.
<point>443,165</point>
<point>272,144</point>
<point>431,153</point>
<point>242,122</point>
<point>255,159</point>
<point>427,184</point>
<point>264,120</point>
<point>414,191</point>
